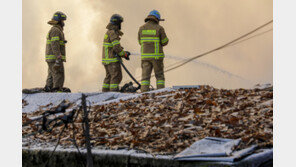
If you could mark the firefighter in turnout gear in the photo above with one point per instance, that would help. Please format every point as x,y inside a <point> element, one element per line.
<point>111,50</point>
<point>152,38</point>
<point>55,53</point>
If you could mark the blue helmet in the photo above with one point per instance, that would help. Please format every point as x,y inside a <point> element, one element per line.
<point>116,19</point>
<point>156,14</point>
<point>58,16</point>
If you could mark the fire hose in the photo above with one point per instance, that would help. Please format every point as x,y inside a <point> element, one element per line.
<point>128,87</point>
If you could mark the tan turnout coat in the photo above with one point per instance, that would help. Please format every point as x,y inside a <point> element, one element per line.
<point>152,38</point>
<point>111,45</point>
<point>55,44</point>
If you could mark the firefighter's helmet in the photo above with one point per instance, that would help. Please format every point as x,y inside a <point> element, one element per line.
<point>59,16</point>
<point>156,14</point>
<point>116,19</point>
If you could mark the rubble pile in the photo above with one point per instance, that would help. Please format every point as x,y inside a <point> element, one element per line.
<point>168,122</point>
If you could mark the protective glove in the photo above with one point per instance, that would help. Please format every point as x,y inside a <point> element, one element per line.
<point>126,55</point>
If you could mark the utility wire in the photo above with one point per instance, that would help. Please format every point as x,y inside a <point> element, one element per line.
<point>221,47</point>
<point>259,34</point>
<point>233,44</point>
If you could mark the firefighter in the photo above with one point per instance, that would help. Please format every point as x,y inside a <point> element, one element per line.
<point>55,53</point>
<point>152,38</point>
<point>111,51</point>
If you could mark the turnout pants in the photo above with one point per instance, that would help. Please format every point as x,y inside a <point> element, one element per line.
<point>113,77</point>
<point>55,77</point>
<point>147,66</point>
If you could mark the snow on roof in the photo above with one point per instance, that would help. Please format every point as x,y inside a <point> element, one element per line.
<point>35,101</point>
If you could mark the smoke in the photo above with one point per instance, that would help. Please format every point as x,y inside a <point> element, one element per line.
<point>193,27</point>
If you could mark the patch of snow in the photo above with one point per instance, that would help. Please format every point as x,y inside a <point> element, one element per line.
<point>262,86</point>
<point>37,100</point>
<point>209,147</point>
<point>132,96</point>
<point>186,86</point>
<point>42,99</point>
<point>97,151</point>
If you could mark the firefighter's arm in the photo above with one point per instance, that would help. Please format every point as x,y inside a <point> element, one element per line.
<point>55,43</point>
<point>117,48</point>
<point>163,38</point>
<point>139,36</point>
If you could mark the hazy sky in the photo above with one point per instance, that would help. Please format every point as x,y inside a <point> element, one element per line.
<point>193,27</point>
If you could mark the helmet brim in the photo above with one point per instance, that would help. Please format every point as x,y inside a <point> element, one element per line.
<point>151,17</point>
<point>52,22</point>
